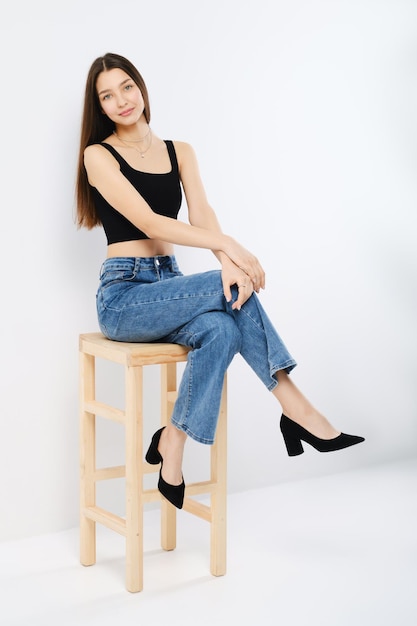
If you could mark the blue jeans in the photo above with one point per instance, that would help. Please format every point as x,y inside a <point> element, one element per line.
<point>149,299</point>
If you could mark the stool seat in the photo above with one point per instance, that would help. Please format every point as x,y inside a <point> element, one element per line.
<point>133,357</point>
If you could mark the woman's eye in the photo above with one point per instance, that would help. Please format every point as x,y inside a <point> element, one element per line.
<point>128,87</point>
<point>106,97</point>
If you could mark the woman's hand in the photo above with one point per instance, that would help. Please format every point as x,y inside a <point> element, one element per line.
<point>246,262</point>
<point>233,275</point>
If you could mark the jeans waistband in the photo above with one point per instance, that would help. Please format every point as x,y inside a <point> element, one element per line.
<point>136,263</point>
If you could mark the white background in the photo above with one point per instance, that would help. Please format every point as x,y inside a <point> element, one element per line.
<point>303,115</point>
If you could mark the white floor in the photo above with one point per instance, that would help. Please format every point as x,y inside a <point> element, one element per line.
<point>333,551</point>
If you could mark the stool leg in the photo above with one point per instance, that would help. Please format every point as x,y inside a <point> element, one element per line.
<point>168,512</point>
<point>134,479</point>
<point>218,466</point>
<point>87,460</point>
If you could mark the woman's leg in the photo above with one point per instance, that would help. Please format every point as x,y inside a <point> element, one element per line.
<point>171,448</point>
<point>149,300</point>
<point>265,352</point>
<point>136,302</point>
<point>297,407</point>
<point>214,339</point>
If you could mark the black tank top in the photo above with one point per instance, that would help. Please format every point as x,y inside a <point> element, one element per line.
<point>161,191</point>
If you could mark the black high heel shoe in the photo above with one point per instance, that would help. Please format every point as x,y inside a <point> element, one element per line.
<point>173,493</point>
<point>293,434</point>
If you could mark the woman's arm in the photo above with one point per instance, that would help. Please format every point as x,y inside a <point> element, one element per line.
<point>104,173</point>
<point>202,215</point>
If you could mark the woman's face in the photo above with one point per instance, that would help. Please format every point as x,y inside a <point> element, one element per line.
<point>120,97</point>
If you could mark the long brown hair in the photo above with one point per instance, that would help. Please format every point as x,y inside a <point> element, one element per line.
<point>95,127</point>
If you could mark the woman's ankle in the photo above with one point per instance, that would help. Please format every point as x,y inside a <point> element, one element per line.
<point>171,448</point>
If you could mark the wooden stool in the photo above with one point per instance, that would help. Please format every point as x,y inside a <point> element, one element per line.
<point>134,356</point>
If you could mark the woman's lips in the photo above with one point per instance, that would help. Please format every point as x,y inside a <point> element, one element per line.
<point>127,112</point>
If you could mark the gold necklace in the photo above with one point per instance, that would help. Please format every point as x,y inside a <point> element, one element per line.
<point>141,152</point>
<point>133,140</point>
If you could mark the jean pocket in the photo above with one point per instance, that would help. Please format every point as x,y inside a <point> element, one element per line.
<point>113,276</point>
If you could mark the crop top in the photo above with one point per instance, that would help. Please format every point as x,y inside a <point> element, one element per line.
<point>161,191</point>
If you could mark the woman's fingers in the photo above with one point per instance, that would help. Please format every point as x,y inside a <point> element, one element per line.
<point>245,291</point>
<point>244,271</point>
<point>256,274</point>
<point>247,262</point>
<point>227,290</point>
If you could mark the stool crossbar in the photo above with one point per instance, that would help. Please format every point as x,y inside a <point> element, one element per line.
<point>134,357</point>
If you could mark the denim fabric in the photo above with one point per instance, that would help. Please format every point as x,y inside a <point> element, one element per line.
<point>149,299</point>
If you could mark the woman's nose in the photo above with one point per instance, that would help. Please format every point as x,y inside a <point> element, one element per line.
<point>121,100</point>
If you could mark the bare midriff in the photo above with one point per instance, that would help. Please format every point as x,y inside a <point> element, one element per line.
<point>140,248</point>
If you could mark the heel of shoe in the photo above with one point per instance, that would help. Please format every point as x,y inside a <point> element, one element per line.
<point>292,439</point>
<point>153,456</point>
<point>293,445</point>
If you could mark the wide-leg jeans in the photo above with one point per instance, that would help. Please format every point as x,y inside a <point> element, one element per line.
<point>146,299</point>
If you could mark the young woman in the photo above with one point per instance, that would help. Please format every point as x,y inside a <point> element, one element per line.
<point>130,181</point>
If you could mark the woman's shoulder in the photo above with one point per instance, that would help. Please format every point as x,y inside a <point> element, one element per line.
<point>183,146</point>
<point>184,151</point>
<point>97,147</point>
<point>97,158</point>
